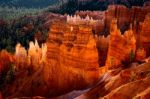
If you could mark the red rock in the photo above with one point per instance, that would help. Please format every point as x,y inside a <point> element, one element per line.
<point>124,15</point>
<point>144,95</point>
<point>127,83</point>
<point>144,36</point>
<point>140,54</point>
<point>67,62</point>
<point>120,46</point>
<point>129,90</point>
<point>6,59</point>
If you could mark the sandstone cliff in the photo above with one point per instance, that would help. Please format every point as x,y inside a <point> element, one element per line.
<point>75,58</point>
<point>122,84</point>
<point>62,62</point>
<point>144,36</point>
<point>124,16</point>
<point>121,47</point>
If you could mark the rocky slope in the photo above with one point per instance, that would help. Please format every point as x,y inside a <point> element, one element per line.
<point>75,58</point>
<point>121,47</point>
<point>122,84</point>
<point>66,54</point>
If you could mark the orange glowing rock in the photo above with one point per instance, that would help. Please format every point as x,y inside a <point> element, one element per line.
<point>124,16</point>
<point>120,46</point>
<point>21,56</point>
<point>145,37</point>
<point>6,59</point>
<point>144,94</point>
<point>70,56</point>
<point>140,54</point>
<point>35,56</point>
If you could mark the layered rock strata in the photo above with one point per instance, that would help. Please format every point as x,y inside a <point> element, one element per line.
<point>132,82</point>
<point>124,15</point>
<point>145,36</point>
<point>69,57</point>
<point>121,47</point>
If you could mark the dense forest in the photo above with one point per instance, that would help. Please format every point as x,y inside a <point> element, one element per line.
<point>27,3</point>
<point>71,6</point>
<point>10,9</point>
<point>22,31</point>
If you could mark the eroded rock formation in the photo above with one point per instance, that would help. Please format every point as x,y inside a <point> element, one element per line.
<point>96,24</point>
<point>121,47</point>
<point>127,83</point>
<point>73,55</point>
<point>70,46</point>
<point>102,47</point>
<point>124,16</point>
<point>144,35</point>
<point>62,62</point>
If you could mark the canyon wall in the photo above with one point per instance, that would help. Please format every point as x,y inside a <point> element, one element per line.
<point>144,35</point>
<point>124,16</point>
<point>74,52</point>
<point>121,47</point>
<point>62,62</point>
<point>96,24</point>
<point>71,45</point>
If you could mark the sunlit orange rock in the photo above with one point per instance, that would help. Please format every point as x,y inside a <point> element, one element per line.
<point>96,24</point>
<point>140,54</point>
<point>69,48</point>
<point>34,56</point>
<point>70,56</point>
<point>144,94</point>
<point>124,16</point>
<point>122,83</point>
<point>121,47</point>
<point>145,30</point>
<point>6,59</point>
<point>129,90</point>
<point>21,56</point>
<point>144,35</point>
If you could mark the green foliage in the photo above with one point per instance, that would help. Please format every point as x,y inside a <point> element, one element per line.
<point>8,13</point>
<point>28,3</point>
<point>71,6</point>
<point>22,31</point>
<point>10,9</point>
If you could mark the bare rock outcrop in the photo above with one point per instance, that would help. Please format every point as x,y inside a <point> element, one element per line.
<point>123,84</point>
<point>144,35</point>
<point>62,62</point>
<point>121,47</point>
<point>124,16</point>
